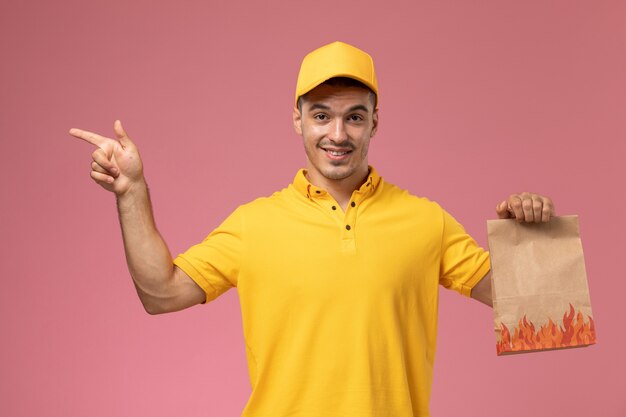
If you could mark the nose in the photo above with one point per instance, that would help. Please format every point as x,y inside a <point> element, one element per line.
<point>337,131</point>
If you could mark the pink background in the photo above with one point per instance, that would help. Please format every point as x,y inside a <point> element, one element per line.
<point>478,100</point>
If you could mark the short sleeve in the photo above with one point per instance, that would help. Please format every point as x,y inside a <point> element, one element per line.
<point>215,262</point>
<point>463,262</point>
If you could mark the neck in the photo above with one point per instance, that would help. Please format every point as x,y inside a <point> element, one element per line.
<point>341,190</point>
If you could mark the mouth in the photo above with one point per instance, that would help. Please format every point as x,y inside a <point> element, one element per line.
<point>336,153</point>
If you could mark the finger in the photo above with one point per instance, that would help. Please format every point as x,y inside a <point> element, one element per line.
<point>502,210</point>
<point>121,134</point>
<point>537,202</point>
<point>113,172</point>
<point>515,206</point>
<point>548,210</point>
<point>101,178</point>
<point>90,137</point>
<point>98,168</point>
<point>527,206</point>
<point>101,158</point>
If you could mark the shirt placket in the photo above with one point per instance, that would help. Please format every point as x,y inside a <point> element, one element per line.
<point>347,221</point>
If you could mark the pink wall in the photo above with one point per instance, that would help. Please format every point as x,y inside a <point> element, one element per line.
<point>478,100</point>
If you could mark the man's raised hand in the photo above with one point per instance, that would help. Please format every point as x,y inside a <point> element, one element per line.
<point>116,163</point>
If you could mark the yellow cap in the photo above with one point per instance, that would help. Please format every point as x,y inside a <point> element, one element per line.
<point>336,59</point>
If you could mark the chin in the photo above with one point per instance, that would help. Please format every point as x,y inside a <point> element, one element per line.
<point>337,174</point>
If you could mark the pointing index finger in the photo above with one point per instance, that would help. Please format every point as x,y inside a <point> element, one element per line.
<point>90,137</point>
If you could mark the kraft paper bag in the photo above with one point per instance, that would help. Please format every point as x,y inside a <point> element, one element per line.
<point>540,293</point>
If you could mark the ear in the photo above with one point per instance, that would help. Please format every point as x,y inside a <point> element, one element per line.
<point>374,122</point>
<point>297,121</point>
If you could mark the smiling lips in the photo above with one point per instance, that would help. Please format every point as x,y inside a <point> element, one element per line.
<point>336,153</point>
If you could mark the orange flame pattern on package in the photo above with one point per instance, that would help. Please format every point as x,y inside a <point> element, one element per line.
<point>575,332</point>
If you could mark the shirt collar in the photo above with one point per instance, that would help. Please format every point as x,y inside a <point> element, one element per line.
<point>302,185</point>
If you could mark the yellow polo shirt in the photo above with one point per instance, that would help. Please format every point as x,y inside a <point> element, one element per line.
<point>339,309</point>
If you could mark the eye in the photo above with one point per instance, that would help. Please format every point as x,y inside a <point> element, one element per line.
<point>320,116</point>
<point>355,118</point>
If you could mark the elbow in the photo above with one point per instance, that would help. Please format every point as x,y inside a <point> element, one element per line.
<point>153,302</point>
<point>152,305</point>
<point>154,308</point>
<point>151,309</point>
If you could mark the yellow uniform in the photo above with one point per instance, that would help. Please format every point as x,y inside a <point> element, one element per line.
<point>339,308</point>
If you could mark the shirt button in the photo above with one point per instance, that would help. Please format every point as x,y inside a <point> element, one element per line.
<point>334,208</point>
<point>347,227</point>
<point>353,204</point>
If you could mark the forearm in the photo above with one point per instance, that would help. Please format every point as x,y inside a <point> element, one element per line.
<point>147,255</point>
<point>482,290</point>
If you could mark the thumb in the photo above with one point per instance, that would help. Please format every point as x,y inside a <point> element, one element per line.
<point>121,134</point>
<point>502,210</point>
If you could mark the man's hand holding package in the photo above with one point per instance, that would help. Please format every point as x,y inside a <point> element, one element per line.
<point>526,207</point>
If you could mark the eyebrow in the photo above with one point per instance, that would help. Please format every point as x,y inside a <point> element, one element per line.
<point>358,107</point>
<point>319,106</point>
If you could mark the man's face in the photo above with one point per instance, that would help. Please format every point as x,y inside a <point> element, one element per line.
<point>336,124</point>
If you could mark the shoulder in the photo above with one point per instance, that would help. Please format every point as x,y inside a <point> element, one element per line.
<point>266,205</point>
<point>391,194</point>
<point>394,205</point>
